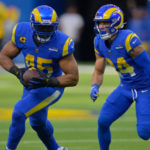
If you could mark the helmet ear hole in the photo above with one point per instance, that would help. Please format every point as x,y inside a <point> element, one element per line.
<point>44,23</point>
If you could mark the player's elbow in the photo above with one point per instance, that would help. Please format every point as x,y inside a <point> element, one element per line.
<point>74,80</point>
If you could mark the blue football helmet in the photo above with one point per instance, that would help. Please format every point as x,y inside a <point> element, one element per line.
<point>112,14</point>
<point>44,23</point>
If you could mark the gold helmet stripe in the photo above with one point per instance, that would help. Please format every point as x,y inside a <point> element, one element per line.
<point>37,15</point>
<point>54,16</point>
<point>108,13</point>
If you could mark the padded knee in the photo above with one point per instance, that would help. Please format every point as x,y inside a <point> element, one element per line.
<point>43,128</point>
<point>144,131</point>
<point>18,121</point>
<point>103,122</point>
<point>18,116</point>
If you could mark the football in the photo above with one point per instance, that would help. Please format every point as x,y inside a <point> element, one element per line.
<point>29,74</point>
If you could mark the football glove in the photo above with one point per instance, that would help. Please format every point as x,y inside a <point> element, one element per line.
<point>94,92</point>
<point>43,81</point>
<point>18,72</point>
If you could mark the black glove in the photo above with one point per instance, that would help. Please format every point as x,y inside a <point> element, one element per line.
<point>43,81</point>
<point>18,72</point>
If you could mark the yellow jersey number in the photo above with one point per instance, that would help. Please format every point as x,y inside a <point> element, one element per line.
<point>30,63</point>
<point>123,66</point>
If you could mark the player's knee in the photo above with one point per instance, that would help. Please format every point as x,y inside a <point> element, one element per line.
<point>42,128</point>
<point>144,132</point>
<point>103,122</point>
<point>18,121</point>
<point>18,116</point>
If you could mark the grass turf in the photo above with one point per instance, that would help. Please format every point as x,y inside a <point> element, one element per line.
<point>76,134</point>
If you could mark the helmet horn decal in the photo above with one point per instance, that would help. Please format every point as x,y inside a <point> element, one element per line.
<point>37,16</point>
<point>54,16</point>
<point>108,13</point>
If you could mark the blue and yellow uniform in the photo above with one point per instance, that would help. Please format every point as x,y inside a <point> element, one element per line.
<point>44,58</point>
<point>123,50</point>
<point>34,103</point>
<point>134,85</point>
<point>118,56</point>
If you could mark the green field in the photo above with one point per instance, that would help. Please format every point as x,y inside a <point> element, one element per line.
<point>80,132</point>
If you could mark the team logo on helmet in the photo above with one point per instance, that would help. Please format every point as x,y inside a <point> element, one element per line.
<point>112,14</point>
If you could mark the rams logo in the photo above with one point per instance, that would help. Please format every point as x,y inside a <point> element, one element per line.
<point>22,39</point>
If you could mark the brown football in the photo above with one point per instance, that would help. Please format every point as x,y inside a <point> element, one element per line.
<point>29,74</point>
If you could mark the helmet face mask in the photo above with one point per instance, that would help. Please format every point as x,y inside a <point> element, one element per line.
<point>108,14</point>
<point>44,23</point>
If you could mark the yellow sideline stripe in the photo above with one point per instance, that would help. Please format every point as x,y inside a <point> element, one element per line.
<point>60,114</point>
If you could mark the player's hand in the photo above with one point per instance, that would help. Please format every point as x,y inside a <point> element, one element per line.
<point>20,76</point>
<point>94,92</point>
<point>43,81</point>
<point>18,72</point>
<point>37,83</point>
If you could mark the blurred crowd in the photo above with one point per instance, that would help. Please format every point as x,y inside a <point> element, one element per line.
<point>77,22</point>
<point>138,20</point>
<point>9,16</point>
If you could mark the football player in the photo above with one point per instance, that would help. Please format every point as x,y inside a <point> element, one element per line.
<point>49,51</point>
<point>123,50</point>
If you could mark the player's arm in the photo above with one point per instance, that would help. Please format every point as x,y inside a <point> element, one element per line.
<point>137,51</point>
<point>70,78</point>
<point>8,52</point>
<point>70,68</point>
<point>141,58</point>
<point>97,77</point>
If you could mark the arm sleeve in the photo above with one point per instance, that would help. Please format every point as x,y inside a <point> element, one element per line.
<point>96,47</point>
<point>132,41</point>
<point>18,35</point>
<point>143,61</point>
<point>68,47</point>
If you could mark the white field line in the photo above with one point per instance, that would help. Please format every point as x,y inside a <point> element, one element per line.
<point>81,141</point>
<point>83,69</point>
<point>88,69</point>
<point>61,130</point>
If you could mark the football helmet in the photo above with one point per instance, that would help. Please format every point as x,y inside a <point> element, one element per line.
<point>44,23</point>
<point>112,14</point>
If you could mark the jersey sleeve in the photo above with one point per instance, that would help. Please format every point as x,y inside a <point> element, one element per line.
<point>68,47</point>
<point>96,47</point>
<point>17,37</point>
<point>132,41</point>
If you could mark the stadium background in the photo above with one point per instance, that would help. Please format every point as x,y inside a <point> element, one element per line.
<point>87,10</point>
<point>75,116</point>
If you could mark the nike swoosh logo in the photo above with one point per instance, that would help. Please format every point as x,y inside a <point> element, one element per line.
<point>143,91</point>
<point>118,47</point>
<point>134,41</point>
<point>53,49</point>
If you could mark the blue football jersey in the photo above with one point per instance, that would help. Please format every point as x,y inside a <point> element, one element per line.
<point>45,57</point>
<point>118,56</point>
